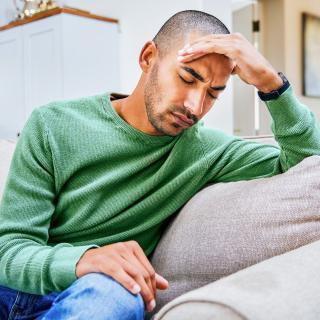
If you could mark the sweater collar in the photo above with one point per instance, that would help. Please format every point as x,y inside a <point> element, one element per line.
<point>120,122</point>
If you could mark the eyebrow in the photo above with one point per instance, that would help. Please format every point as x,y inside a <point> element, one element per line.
<point>199,77</point>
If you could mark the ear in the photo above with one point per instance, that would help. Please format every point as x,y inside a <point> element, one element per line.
<point>148,56</point>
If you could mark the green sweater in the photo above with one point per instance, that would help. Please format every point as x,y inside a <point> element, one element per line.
<point>82,177</point>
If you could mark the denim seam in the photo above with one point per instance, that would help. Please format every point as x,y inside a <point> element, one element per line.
<point>13,312</point>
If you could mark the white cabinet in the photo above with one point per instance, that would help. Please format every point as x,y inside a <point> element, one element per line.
<point>62,56</point>
<point>42,49</point>
<point>12,97</point>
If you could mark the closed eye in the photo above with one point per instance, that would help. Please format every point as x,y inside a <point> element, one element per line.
<point>185,81</point>
<point>191,82</point>
<point>212,96</point>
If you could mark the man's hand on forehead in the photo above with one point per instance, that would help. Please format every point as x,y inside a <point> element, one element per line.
<point>248,63</point>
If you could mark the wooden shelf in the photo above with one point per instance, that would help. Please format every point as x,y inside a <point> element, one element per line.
<point>52,12</point>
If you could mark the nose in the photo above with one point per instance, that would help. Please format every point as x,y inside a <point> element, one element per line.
<point>195,102</point>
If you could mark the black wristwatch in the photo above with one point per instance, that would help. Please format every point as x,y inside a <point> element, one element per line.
<point>274,94</point>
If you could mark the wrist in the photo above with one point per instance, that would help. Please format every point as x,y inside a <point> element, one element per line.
<point>271,82</point>
<point>276,93</point>
<point>84,264</point>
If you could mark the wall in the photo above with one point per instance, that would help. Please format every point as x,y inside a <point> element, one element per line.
<point>282,45</point>
<point>293,45</point>
<point>243,94</point>
<point>221,115</point>
<point>272,47</point>
<point>7,11</point>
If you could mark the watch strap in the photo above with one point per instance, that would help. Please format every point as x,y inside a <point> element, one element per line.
<point>274,94</point>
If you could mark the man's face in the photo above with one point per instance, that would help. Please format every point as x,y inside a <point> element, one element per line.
<point>188,88</point>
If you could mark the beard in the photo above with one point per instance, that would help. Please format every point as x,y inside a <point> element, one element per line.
<point>153,99</point>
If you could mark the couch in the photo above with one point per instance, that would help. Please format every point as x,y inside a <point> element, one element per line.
<point>239,250</point>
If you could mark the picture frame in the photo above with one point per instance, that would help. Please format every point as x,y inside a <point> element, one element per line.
<point>311,55</point>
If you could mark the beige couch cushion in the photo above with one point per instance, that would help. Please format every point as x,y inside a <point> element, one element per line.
<point>283,287</point>
<point>6,152</point>
<point>227,227</point>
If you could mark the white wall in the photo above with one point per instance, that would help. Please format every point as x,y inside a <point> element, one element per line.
<point>221,116</point>
<point>7,11</point>
<point>243,94</point>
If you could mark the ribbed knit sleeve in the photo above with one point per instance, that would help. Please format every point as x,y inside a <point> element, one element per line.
<point>295,128</point>
<point>27,263</point>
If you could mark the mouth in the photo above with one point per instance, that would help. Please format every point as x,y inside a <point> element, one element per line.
<point>182,120</point>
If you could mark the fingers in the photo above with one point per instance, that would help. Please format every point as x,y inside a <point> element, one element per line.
<point>210,37</point>
<point>124,279</point>
<point>162,283</point>
<point>191,57</point>
<point>233,37</point>
<point>203,48</point>
<point>137,250</point>
<point>142,264</point>
<point>139,258</point>
<point>128,265</point>
<point>146,293</point>
<point>229,45</point>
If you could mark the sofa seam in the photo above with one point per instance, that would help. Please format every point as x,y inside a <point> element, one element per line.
<point>204,301</point>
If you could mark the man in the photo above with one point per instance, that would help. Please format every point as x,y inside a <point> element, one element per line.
<point>93,181</point>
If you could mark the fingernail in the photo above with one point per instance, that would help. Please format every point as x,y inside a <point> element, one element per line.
<point>182,51</point>
<point>136,288</point>
<point>189,50</point>
<point>151,305</point>
<point>162,278</point>
<point>179,58</point>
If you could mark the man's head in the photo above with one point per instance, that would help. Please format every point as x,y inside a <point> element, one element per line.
<point>186,88</point>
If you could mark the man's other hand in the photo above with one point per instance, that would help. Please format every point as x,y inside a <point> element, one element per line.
<point>127,264</point>
<point>249,64</point>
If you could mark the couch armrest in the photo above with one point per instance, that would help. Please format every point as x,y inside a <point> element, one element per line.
<point>283,287</point>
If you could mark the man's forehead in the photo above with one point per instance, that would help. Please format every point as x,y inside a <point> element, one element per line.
<point>204,68</point>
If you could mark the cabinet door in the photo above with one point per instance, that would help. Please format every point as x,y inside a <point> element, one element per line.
<point>42,62</point>
<point>90,56</point>
<point>12,108</point>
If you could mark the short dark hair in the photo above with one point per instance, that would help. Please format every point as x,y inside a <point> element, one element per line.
<point>176,28</point>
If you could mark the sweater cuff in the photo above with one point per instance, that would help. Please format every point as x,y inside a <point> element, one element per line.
<point>63,266</point>
<point>287,111</point>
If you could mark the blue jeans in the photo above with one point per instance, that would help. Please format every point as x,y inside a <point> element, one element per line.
<point>94,296</point>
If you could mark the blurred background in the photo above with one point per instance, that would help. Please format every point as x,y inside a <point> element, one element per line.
<point>92,46</point>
